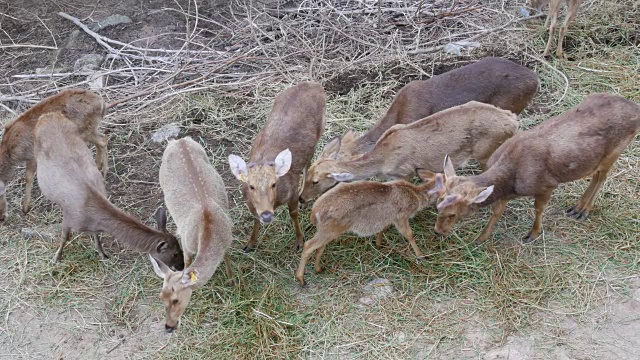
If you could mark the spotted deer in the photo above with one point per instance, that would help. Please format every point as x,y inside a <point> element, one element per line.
<point>470,131</point>
<point>584,141</point>
<point>68,177</point>
<point>280,153</point>
<point>82,107</point>
<point>366,208</point>
<point>552,19</point>
<point>491,80</point>
<point>197,201</point>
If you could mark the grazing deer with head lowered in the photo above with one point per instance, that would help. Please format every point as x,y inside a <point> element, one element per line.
<point>68,177</point>
<point>494,81</point>
<point>281,152</point>
<point>470,131</point>
<point>366,208</point>
<point>82,107</point>
<point>554,11</point>
<point>583,141</point>
<point>197,201</point>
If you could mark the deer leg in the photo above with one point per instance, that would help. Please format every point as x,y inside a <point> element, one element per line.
<point>380,237</point>
<point>582,209</point>
<point>572,8</point>
<point>554,7</point>
<point>497,211</point>
<point>251,244</point>
<point>319,240</point>
<point>227,264</point>
<point>319,252</point>
<point>293,212</point>
<point>405,229</point>
<point>98,243</point>
<point>540,204</point>
<point>30,173</point>
<point>66,232</point>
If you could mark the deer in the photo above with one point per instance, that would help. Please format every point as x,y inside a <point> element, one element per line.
<point>470,131</point>
<point>196,198</point>
<point>552,19</point>
<point>82,107</point>
<point>68,177</point>
<point>366,208</point>
<point>491,80</point>
<point>280,154</point>
<point>584,141</point>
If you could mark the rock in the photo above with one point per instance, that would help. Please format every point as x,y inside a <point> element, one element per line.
<point>111,20</point>
<point>28,234</point>
<point>377,289</point>
<point>456,47</point>
<point>48,70</point>
<point>166,132</point>
<point>88,62</point>
<point>96,82</point>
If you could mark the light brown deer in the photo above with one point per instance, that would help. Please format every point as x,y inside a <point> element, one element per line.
<point>494,81</point>
<point>470,131</point>
<point>281,152</point>
<point>197,201</point>
<point>554,11</point>
<point>583,141</point>
<point>366,208</point>
<point>68,177</point>
<point>84,108</point>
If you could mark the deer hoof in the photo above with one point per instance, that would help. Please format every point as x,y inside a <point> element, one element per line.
<point>247,249</point>
<point>231,283</point>
<point>529,239</point>
<point>577,214</point>
<point>479,241</point>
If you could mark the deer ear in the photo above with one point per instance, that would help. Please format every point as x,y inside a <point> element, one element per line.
<point>283,162</point>
<point>331,149</point>
<point>439,188</point>
<point>161,219</point>
<point>484,194</point>
<point>159,267</point>
<point>348,137</point>
<point>162,247</point>
<point>345,176</point>
<point>425,175</point>
<point>449,200</point>
<point>449,171</point>
<point>238,167</point>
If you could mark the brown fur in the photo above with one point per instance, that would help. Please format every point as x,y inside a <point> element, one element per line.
<point>494,81</point>
<point>554,11</point>
<point>296,122</point>
<point>366,208</point>
<point>470,131</point>
<point>84,108</point>
<point>583,141</point>
<point>197,200</point>
<point>68,177</point>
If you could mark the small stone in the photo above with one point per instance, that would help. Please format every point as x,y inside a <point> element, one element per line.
<point>88,62</point>
<point>368,300</point>
<point>111,20</point>
<point>28,233</point>
<point>377,289</point>
<point>166,132</point>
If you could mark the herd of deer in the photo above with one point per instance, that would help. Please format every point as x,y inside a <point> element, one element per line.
<point>432,128</point>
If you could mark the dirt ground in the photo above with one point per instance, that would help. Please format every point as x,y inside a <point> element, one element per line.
<point>574,295</point>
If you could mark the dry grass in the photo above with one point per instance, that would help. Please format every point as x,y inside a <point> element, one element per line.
<point>441,306</point>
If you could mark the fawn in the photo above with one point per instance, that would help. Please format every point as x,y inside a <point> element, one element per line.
<point>554,10</point>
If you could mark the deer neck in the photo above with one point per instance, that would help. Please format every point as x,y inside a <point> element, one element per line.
<point>122,226</point>
<point>362,167</point>
<point>207,261</point>
<point>502,180</point>
<point>7,168</point>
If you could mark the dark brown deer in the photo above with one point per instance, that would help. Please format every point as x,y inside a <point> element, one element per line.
<point>281,152</point>
<point>584,141</point>
<point>494,81</point>
<point>68,176</point>
<point>82,107</point>
<point>366,208</point>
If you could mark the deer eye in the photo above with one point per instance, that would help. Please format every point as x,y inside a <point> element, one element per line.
<point>175,301</point>
<point>273,186</point>
<point>315,182</point>
<point>251,187</point>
